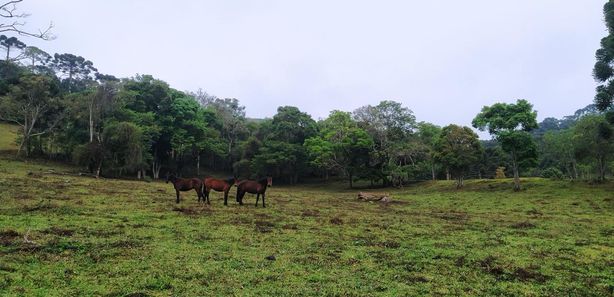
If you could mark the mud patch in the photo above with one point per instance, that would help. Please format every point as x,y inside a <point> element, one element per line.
<point>290,227</point>
<point>311,213</point>
<point>529,274</point>
<point>7,237</point>
<point>457,217</point>
<point>490,266</point>
<point>264,226</point>
<point>59,231</point>
<point>336,221</point>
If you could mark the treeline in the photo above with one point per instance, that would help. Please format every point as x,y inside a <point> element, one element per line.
<point>141,127</point>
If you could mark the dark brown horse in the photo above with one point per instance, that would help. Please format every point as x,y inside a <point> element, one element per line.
<point>219,185</point>
<point>253,187</point>
<point>186,184</point>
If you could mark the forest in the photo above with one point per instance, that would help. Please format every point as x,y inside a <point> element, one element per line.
<point>140,127</point>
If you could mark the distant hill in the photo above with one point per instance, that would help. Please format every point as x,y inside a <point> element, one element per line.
<point>554,124</point>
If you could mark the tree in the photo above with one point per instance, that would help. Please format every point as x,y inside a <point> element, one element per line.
<point>457,149</point>
<point>11,21</point>
<point>511,124</point>
<point>429,135</point>
<point>28,104</point>
<point>36,56</point>
<point>9,43</point>
<point>232,118</point>
<point>101,100</point>
<point>74,68</point>
<point>391,126</point>
<point>593,139</point>
<point>282,153</point>
<point>341,145</point>
<point>558,151</point>
<point>603,72</point>
<point>123,144</point>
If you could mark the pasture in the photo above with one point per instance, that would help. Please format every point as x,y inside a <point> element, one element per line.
<point>66,235</point>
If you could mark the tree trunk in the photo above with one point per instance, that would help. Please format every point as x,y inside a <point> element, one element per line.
<point>198,165</point>
<point>460,182</point>
<point>516,175</point>
<point>98,169</point>
<point>91,121</point>
<point>351,180</point>
<point>433,171</point>
<point>601,166</point>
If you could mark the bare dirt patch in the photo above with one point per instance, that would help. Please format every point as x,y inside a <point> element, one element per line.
<point>311,213</point>
<point>7,237</point>
<point>336,221</point>
<point>523,225</point>
<point>59,231</point>
<point>264,226</point>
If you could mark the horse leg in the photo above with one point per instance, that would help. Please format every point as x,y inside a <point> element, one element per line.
<point>198,193</point>
<point>226,197</point>
<point>257,198</point>
<point>208,201</point>
<point>263,206</point>
<point>177,191</point>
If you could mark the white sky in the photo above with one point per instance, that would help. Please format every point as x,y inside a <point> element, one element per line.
<point>442,59</point>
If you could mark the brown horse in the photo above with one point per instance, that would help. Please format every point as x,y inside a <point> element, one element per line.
<point>186,184</point>
<point>253,187</point>
<point>219,185</point>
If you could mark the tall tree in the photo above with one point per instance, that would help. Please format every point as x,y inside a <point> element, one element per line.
<point>340,146</point>
<point>511,124</point>
<point>391,126</point>
<point>282,153</point>
<point>558,151</point>
<point>11,43</point>
<point>457,149</point>
<point>36,56</point>
<point>429,135</point>
<point>603,72</point>
<point>28,104</point>
<point>593,139</point>
<point>74,68</point>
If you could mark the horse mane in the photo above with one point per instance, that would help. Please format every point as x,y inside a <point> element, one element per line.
<point>231,180</point>
<point>263,181</point>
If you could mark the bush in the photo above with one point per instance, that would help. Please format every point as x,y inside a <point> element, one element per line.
<point>553,173</point>
<point>500,173</point>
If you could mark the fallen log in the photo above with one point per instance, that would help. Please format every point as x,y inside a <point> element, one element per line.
<point>378,197</point>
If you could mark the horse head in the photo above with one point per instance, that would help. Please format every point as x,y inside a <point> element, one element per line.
<point>170,177</point>
<point>269,181</point>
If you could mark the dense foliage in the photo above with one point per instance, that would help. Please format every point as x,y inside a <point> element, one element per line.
<point>142,127</point>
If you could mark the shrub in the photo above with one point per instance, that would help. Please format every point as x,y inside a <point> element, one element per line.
<point>553,173</point>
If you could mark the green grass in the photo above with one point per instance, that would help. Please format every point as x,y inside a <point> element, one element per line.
<point>65,235</point>
<point>7,137</point>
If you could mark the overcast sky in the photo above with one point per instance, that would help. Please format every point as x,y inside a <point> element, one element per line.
<point>442,59</point>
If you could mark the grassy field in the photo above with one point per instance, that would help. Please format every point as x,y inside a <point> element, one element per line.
<point>65,235</point>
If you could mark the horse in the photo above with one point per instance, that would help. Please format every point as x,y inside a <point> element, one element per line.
<point>253,187</point>
<point>219,185</point>
<point>186,184</point>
